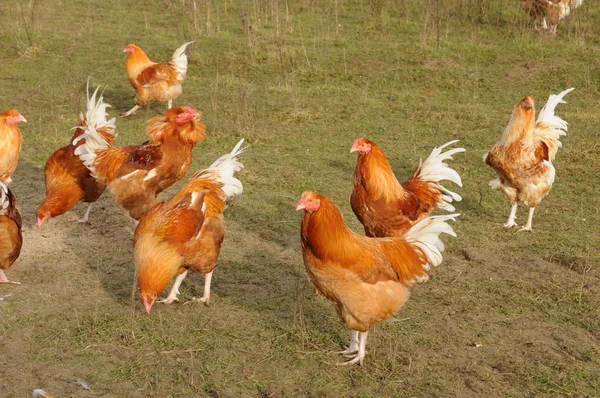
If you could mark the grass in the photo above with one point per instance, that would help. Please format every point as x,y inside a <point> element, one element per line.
<point>300,81</point>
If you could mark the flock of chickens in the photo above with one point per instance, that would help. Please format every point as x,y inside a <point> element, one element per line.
<point>366,277</point>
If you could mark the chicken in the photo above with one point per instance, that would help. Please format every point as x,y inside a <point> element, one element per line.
<point>155,82</point>
<point>366,278</point>
<point>10,143</point>
<point>185,232</point>
<point>11,239</point>
<point>554,10</point>
<point>68,180</point>
<point>136,174</point>
<point>387,208</point>
<point>523,157</point>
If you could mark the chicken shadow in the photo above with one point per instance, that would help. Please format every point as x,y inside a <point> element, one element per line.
<point>103,246</point>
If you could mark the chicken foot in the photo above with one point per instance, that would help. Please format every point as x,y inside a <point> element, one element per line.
<point>172,297</point>
<point>86,216</point>
<point>362,349</point>
<point>511,218</point>
<point>527,226</point>
<point>353,347</point>
<point>4,279</point>
<point>206,296</point>
<point>131,111</point>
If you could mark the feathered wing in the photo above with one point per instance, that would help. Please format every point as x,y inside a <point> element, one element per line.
<point>179,61</point>
<point>434,170</point>
<point>549,127</point>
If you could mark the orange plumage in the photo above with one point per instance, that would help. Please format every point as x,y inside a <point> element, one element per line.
<point>136,174</point>
<point>155,82</point>
<point>68,181</point>
<point>10,143</point>
<point>185,232</point>
<point>366,278</point>
<point>11,239</point>
<point>387,208</point>
<point>523,157</point>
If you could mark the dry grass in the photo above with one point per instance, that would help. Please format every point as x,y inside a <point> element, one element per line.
<point>300,80</point>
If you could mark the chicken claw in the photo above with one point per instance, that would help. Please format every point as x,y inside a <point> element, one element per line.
<point>510,224</point>
<point>4,279</point>
<point>169,300</point>
<point>358,359</point>
<point>202,299</point>
<point>131,111</point>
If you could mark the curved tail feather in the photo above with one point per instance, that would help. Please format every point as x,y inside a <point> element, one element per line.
<point>96,118</point>
<point>426,236</point>
<point>549,127</point>
<point>434,170</point>
<point>179,61</point>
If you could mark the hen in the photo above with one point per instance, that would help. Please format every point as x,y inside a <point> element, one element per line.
<point>11,239</point>
<point>136,174</point>
<point>523,157</point>
<point>68,180</point>
<point>10,143</point>
<point>554,10</point>
<point>185,232</point>
<point>387,208</point>
<point>367,279</point>
<point>155,82</point>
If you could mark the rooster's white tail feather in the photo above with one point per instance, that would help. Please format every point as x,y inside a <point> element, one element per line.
<point>549,127</point>
<point>179,61</point>
<point>224,168</point>
<point>4,198</point>
<point>426,236</point>
<point>95,117</point>
<point>435,170</point>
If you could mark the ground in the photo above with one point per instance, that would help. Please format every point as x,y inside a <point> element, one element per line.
<point>506,314</point>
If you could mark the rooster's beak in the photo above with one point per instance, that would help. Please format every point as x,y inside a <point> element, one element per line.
<point>40,221</point>
<point>147,304</point>
<point>22,119</point>
<point>301,204</point>
<point>353,149</point>
<point>528,102</point>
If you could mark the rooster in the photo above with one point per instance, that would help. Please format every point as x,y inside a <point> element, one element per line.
<point>10,143</point>
<point>155,82</point>
<point>68,180</point>
<point>185,232</point>
<point>523,157</point>
<point>136,174</point>
<point>367,279</point>
<point>387,208</point>
<point>554,10</point>
<point>11,239</point>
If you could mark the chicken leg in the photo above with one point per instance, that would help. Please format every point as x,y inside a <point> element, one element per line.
<point>172,297</point>
<point>362,350</point>
<point>170,104</point>
<point>527,226</point>
<point>511,218</point>
<point>86,216</point>
<point>131,111</point>
<point>353,347</point>
<point>206,296</point>
<point>4,279</point>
